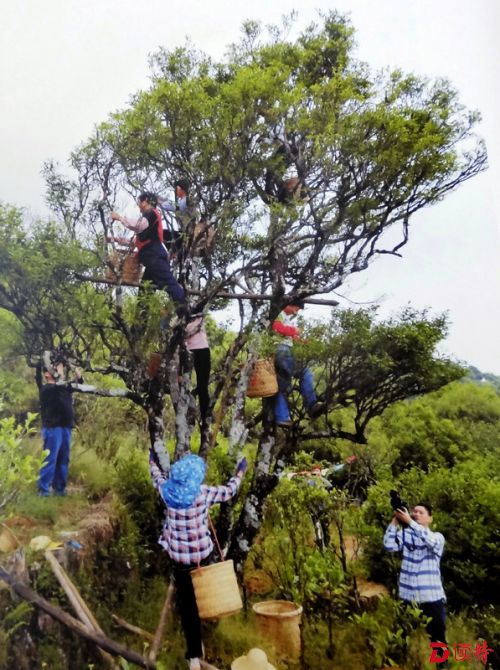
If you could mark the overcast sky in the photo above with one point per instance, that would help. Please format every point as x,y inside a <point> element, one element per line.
<point>66,64</point>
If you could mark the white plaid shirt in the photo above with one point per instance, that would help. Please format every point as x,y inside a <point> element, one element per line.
<point>420,576</point>
<point>185,534</point>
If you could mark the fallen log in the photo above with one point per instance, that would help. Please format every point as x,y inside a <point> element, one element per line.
<point>73,624</point>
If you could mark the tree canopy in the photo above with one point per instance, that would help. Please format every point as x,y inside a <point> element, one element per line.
<point>308,166</point>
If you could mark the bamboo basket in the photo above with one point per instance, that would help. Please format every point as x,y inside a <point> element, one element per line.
<point>263,382</point>
<point>154,364</point>
<point>279,621</point>
<point>203,239</point>
<point>8,541</point>
<point>216,590</point>
<point>123,266</point>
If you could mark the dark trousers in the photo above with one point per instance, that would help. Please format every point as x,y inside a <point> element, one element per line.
<point>157,270</point>
<point>436,628</point>
<point>201,360</point>
<point>188,609</point>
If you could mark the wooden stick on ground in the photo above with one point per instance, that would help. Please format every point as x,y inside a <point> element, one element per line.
<point>133,629</point>
<point>155,647</point>
<point>78,603</point>
<point>73,624</point>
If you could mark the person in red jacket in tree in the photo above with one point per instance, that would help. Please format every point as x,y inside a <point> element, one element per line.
<point>288,367</point>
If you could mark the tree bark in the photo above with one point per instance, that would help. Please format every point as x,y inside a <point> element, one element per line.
<point>264,481</point>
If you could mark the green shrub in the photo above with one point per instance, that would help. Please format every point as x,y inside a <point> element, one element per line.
<point>18,468</point>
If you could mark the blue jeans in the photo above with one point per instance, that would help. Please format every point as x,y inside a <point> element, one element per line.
<point>54,471</point>
<point>288,368</point>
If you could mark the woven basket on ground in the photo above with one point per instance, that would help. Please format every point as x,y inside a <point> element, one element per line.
<point>8,541</point>
<point>263,382</point>
<point>123,266</point>
<point>216,590</point>
<point>279,621</point>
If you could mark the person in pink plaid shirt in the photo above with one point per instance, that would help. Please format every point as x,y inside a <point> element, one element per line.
<point>186,536</point>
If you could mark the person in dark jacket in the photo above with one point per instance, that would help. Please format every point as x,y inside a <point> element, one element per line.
<point>148,229</point>
<point>58,420</point>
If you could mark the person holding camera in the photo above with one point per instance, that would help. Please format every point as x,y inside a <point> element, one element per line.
<point>420,575</point>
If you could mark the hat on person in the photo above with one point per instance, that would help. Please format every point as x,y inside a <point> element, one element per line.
<point>183,183</point>
<point>256,659</point>
<point>183,484</point>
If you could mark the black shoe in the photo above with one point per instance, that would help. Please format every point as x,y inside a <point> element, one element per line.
<point>316,409</point>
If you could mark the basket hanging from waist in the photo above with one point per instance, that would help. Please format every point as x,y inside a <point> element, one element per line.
<point>215,586</point>
<point>123,266</point>
<point>263,382</point>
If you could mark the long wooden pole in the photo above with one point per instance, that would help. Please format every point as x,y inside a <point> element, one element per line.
<point>155,647</point>
<point>73,624</point>
<point>79,605</point>
<point>219,294</point>
<point>133,629</point>
<point>265,296</point>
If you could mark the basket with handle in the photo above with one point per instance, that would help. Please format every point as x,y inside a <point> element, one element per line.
<point>123,266</point>
<point>263,382</point>
<point>216,587</point>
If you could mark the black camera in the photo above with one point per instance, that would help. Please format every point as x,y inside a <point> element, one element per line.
<point>397,502</point>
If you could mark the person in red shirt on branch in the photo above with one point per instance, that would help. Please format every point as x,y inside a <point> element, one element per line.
<point>288,367</point>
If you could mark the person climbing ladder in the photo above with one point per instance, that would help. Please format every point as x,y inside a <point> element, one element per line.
<point>148,231</point>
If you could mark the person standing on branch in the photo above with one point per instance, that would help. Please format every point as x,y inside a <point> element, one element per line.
<point>181,210</point>
<point>420,576</point>
<point>148,231</point>
<point>197,344</point>
<point>186,535</point>
<point>288,367</point>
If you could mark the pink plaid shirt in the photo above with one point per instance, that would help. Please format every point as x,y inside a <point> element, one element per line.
<point>185,535</point>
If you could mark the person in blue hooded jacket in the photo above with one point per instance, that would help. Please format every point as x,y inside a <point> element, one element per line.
<point>186,536</point>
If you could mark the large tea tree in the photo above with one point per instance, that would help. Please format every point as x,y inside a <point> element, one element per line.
<point>307,165</point>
